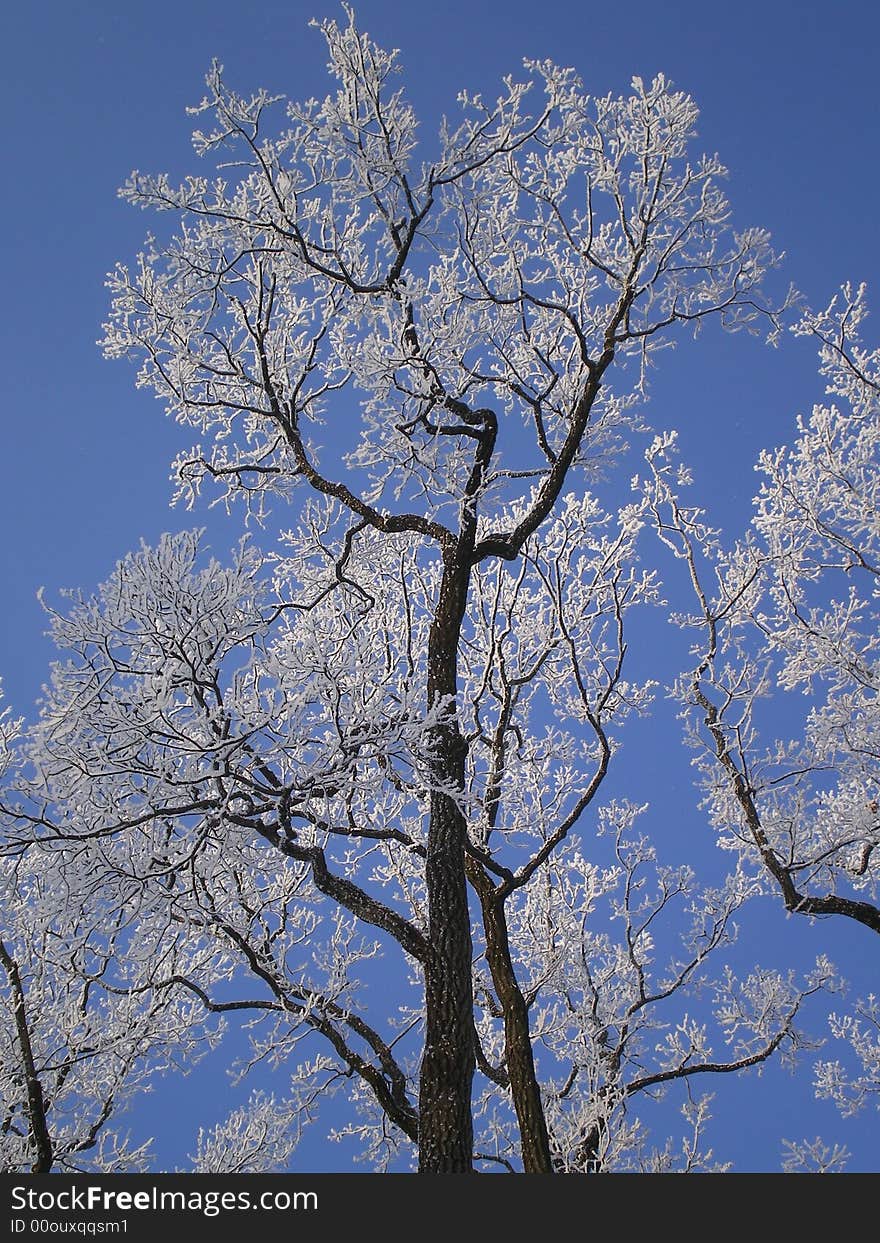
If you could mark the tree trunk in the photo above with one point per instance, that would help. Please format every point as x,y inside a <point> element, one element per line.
<point>445,1117</point>
<point>519,1057</point>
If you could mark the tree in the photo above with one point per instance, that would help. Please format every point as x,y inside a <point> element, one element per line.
<point>75,1045</point>
<point>792,608</point>
<point>387,730</point>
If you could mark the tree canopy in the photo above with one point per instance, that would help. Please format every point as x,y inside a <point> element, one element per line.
<point>348,787</point>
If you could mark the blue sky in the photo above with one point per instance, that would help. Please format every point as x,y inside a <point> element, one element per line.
<point>91,91</point>
<point>788,98</point>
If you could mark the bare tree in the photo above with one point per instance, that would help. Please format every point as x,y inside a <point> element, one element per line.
<point>80,1036</point>
<point>281,767</point>
<point>792,609</point>
<point>788,617</point>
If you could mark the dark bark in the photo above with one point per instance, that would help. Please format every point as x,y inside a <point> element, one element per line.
<point>445,1118</point>
<point>525,1090</point>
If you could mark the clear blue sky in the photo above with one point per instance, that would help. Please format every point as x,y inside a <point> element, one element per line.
<point>788,93</point>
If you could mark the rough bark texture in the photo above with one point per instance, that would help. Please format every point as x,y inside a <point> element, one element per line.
<point>445,1119</point>
<point>519,1059</point>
